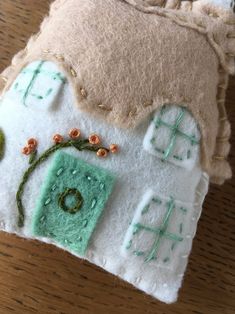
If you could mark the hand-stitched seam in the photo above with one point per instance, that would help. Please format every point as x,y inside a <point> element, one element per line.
<point>222,69</point>
<point>198,26</point>
<point>222,138</point>
<point>179,18</point>
<point>200,193</point>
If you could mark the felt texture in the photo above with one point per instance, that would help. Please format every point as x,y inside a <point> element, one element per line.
<point>187,5</point>
<point>226,4</point>
<point>159,227</point>
<point>96,43</point>
<point>174,136</point>
<point>50,220</point>
<point>38,87</point>
<point>135,169</point>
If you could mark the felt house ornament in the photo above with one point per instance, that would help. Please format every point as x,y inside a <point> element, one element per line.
<point>112,124</point>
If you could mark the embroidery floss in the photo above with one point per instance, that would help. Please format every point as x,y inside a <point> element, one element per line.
<point>32,143</point>
<point>26,150</point>
<point>79,144</point>
<point>113,148</point>
<point>2,144</point>
<point>62,200</point>
<point>74,133</point>
<point>28,89</point>
<point>149,235</point>
<point>72,210</point>
<point>57,138</point>
<point>102,152</point>
<point>94,139</point>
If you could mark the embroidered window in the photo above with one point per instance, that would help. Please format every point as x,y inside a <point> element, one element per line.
<point>159,230</point>
<point>38,84</point>
<point>72,199</point>
<point>173,136</point>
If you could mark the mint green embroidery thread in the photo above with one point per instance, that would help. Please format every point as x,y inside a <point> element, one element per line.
<point>175,131</point>
<point>48,201</point>
<point>54,75</point>
<point>58,173</point>
<point>156,200</point>
<point>138,253</point>
<point>160,232</point>
<point>28,89</point>
<point>2,144</point>
<point>129,245</point>
<point>145,209</point>
<point>192,138</point>
<point>49,92</point>
<point>77,144</point>
<point>174,134</point>
<point>64,195</point>
<point>162,151</point>
<point>39,97</point>
<point>71,228</point>
<point>35,72</point>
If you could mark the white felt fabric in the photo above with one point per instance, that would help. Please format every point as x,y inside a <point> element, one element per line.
<point>137,171</point>
<point>38,85</point>
<point>158,228</point>
<point>181,141</point>
<point>226,4</point>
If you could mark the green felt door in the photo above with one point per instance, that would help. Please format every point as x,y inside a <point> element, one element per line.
<point>72,199</point>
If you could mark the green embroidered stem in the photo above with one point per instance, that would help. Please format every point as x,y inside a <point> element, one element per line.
<point>2,144</point>
<point>78,144</point>
<point>32,157</point>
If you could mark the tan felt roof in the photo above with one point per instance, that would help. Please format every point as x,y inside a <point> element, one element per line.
<point>126,59</point>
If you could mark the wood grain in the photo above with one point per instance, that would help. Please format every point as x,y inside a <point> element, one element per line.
<point>38,278</point>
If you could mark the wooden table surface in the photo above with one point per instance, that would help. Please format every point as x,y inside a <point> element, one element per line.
<point>39,278</point>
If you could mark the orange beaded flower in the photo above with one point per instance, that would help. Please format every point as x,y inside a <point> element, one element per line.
<point>114,148</point>
<point>57,138</point>
<point>27,150</point>
<point>30,147</point>
<point>94,139</point>
<point>32,143</point>
<point>74,133</point>
<point>102,152</point>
